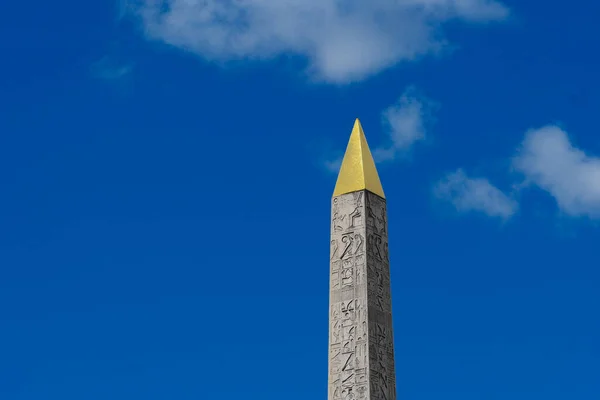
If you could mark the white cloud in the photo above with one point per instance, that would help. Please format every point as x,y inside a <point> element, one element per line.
<point>548,160</point>
<point>475,194</point>
<point>342,41</point>
<point>405,123</point>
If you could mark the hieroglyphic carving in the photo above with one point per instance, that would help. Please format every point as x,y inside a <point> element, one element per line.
<point>356,215</point>
<point>361,365</point>
<point>381,347</point>
<point>334,249</point>
<point>348,342</point>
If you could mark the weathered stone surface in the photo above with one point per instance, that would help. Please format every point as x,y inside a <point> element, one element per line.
<point>361,350</point>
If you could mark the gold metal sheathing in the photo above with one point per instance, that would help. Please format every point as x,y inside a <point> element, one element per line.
<point>358,170</point>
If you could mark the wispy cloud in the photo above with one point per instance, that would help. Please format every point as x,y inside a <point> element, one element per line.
<point>334,165</point>
<point>341,41</point>
<point>475,195</point>
<point>405,122</point>
<point>109,69</point>
<point>548,160</point>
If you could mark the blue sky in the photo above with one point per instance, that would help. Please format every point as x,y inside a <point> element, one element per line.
<point>166,171</point>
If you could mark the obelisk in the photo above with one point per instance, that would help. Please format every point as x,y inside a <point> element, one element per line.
<point>361,345</point>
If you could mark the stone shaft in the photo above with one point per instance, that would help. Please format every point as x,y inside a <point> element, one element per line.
<point>361,345</point>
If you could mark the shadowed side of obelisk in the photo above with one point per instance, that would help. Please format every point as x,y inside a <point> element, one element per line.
<point>361,356</point>
<point>382,376</point>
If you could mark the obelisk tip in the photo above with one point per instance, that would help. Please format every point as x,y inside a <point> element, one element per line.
<point>358,171</point>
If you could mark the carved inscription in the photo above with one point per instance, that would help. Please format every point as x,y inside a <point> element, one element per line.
<point>361,365</point>
<point>381,344</point>
<point>349,334</point>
